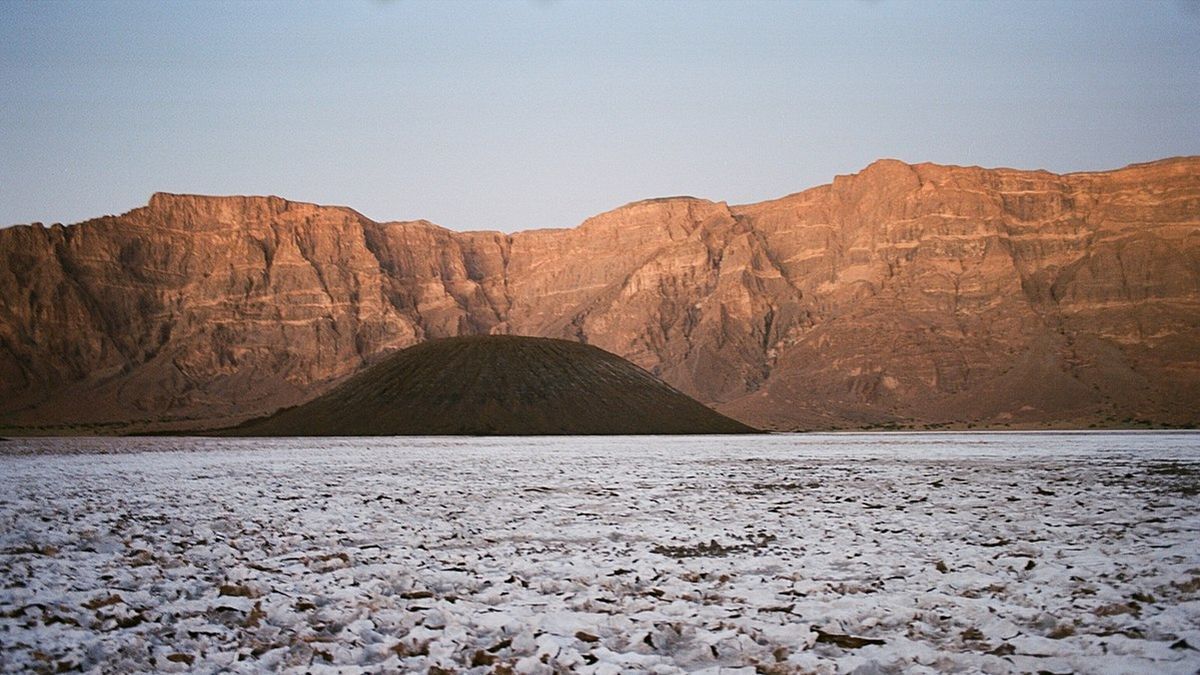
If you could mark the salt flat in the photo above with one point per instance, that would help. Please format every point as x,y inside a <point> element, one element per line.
<point>1018,552</point>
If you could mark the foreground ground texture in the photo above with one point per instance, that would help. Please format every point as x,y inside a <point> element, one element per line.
<point>814,553</point>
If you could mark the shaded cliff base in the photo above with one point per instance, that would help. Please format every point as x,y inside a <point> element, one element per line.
<point>205,427</point>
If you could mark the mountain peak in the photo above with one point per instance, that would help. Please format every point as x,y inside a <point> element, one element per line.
<point>166,201</point>
<point>503,385</point>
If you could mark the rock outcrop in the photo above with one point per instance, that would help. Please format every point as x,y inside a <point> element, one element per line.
<point>497,385</point>
<point>918,295</point>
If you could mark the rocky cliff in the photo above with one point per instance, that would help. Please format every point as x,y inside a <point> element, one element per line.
<point>916,295</point>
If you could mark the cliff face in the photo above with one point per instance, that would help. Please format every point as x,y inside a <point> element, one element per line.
<point>916,294</point>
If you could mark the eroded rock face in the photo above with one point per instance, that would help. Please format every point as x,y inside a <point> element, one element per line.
<point>912,294</point>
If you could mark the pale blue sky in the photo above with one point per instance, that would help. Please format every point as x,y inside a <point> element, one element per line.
<point>523,114</point>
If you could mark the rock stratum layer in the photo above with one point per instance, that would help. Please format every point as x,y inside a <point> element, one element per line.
<point>497,385</point>
<point>918,295</point>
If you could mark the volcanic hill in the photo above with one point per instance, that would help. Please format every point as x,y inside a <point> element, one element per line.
<point>498,385</point>
<point>917,295</point>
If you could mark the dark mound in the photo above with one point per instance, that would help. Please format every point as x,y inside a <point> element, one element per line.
<point>497,385</point>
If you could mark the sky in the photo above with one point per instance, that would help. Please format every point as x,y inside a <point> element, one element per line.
<point>539,113</point>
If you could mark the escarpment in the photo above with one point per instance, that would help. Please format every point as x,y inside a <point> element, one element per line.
<point>917,295</point>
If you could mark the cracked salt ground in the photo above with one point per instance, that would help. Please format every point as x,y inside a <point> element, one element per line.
<point>810,553</point>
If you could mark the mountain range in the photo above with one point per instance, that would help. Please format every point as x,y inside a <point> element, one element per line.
<point>905,295</point>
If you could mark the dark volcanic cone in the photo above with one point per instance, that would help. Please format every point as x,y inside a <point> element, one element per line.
<point>497,385</point>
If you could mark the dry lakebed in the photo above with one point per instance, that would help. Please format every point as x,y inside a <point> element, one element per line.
<point>789,553</point>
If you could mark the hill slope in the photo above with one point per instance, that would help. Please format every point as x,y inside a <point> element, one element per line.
<point>498,385</point>
<point>911,294</point>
